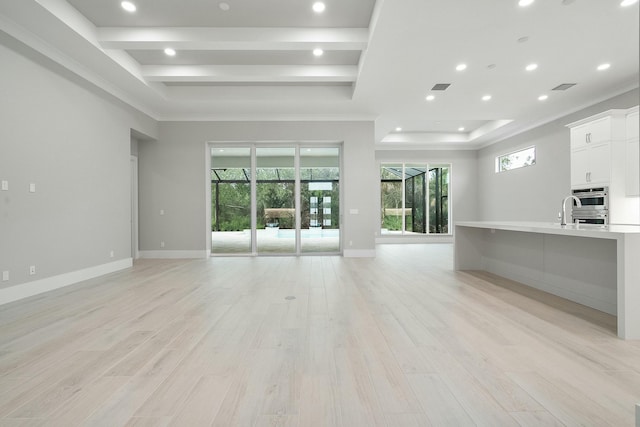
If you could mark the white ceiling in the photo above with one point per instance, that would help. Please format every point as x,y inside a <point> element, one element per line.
<point>255,61</point>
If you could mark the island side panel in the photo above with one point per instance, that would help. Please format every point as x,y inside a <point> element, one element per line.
<point>515,255</point>
<point>629,287</point>
<point>582,269</point>
<point>468,247</point>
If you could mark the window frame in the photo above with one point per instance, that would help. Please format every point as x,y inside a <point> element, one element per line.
<point>498,159</point>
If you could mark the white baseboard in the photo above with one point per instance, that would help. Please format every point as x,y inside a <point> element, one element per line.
<point>25,290</point>
<point>359,253</point>
<point>428,238</point>
<point>174,254</point>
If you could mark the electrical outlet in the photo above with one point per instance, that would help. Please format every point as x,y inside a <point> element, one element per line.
<point>5,185</point>
<point>5,276</point>
<point>32,270</point>
<point>162,244</point>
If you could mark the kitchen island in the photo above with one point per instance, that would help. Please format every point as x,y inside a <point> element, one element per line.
<point>597,266</point>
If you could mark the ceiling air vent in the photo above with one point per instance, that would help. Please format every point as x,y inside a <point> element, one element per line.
<point>441,86</point>
<point>564,86</point>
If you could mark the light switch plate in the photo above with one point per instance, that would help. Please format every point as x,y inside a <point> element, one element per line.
<point>5,185</point>
<point>32,188</point>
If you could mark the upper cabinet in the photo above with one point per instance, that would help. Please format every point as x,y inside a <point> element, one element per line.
<point>632,167</point>
<point>592,144</point>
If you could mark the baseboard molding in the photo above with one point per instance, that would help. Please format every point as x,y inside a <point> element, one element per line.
<point>429,238</point>
<point>174,254</point>
<point>359,253</point>
<point>29,289</point>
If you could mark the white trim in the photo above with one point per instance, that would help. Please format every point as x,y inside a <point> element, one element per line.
<point>359,253</point>
<point>25,290</point>
<point>174,254</point>
<point>409,239</point>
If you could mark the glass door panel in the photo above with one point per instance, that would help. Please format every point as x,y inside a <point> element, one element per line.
<point>320,200</point>
<point>230,200</point>
<point>415,206</point>
<point>439,199</point>
<point>275,200</point>
<point>391,202</point>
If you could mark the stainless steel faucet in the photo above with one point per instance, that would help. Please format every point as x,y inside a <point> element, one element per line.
<point>563,218</point>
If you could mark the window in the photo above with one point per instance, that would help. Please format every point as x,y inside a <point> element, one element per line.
<point>516,159</point>
<point>414,198</point>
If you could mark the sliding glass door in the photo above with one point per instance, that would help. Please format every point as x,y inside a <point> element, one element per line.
<point>275,200</point>
<point>320,199</point>
<point>230,200</point>
<point>275,197</point>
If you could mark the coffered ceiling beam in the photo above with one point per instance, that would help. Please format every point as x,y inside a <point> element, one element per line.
<point>253,73</point>
<point>233,38</point>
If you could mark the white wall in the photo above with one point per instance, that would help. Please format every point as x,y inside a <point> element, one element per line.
<point>463,188</point>
<point>173,177</point>
<point>74,144</point>
<point>535,193</point>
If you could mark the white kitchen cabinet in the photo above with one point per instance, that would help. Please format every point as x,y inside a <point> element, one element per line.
<point>592,142</point>
<point>587,165</point>
<point>632,167</point>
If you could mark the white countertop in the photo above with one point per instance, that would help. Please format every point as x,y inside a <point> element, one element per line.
<point>612,231</point>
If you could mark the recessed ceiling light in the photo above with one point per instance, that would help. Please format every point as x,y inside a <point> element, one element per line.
<point>461,67</point>
<point>626,3</point>
<point>318,7</point>
<point>543,97</point>
<point>461,128</point>
<point>524,3</point>
<point>531,67</point>
<point>221,150</point>
<point>128,6</point>
<point>170,52</point>
<point>318,52</point>
<point>224,6</point>
<point>486,97</point>
<point>398,129</point>
<point>604,66</point>
<point>430,98</point>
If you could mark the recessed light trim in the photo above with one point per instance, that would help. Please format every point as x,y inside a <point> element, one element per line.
<point>461,67</point>
<point>524,3</point>
<point>531,67</point>
<point>626,3</point>
<point>318,52</point>
<point>430,97</point>
<point>461,129</point>
<point>318,7</point>
<point>543,97</point>
<point>170,52</point>
<point>604,66</point>
<point>486,97</point>
<point>398,129</point>
<point>128,6</point>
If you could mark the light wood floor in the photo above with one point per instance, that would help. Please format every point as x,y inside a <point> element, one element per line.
<point>400,340</point>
